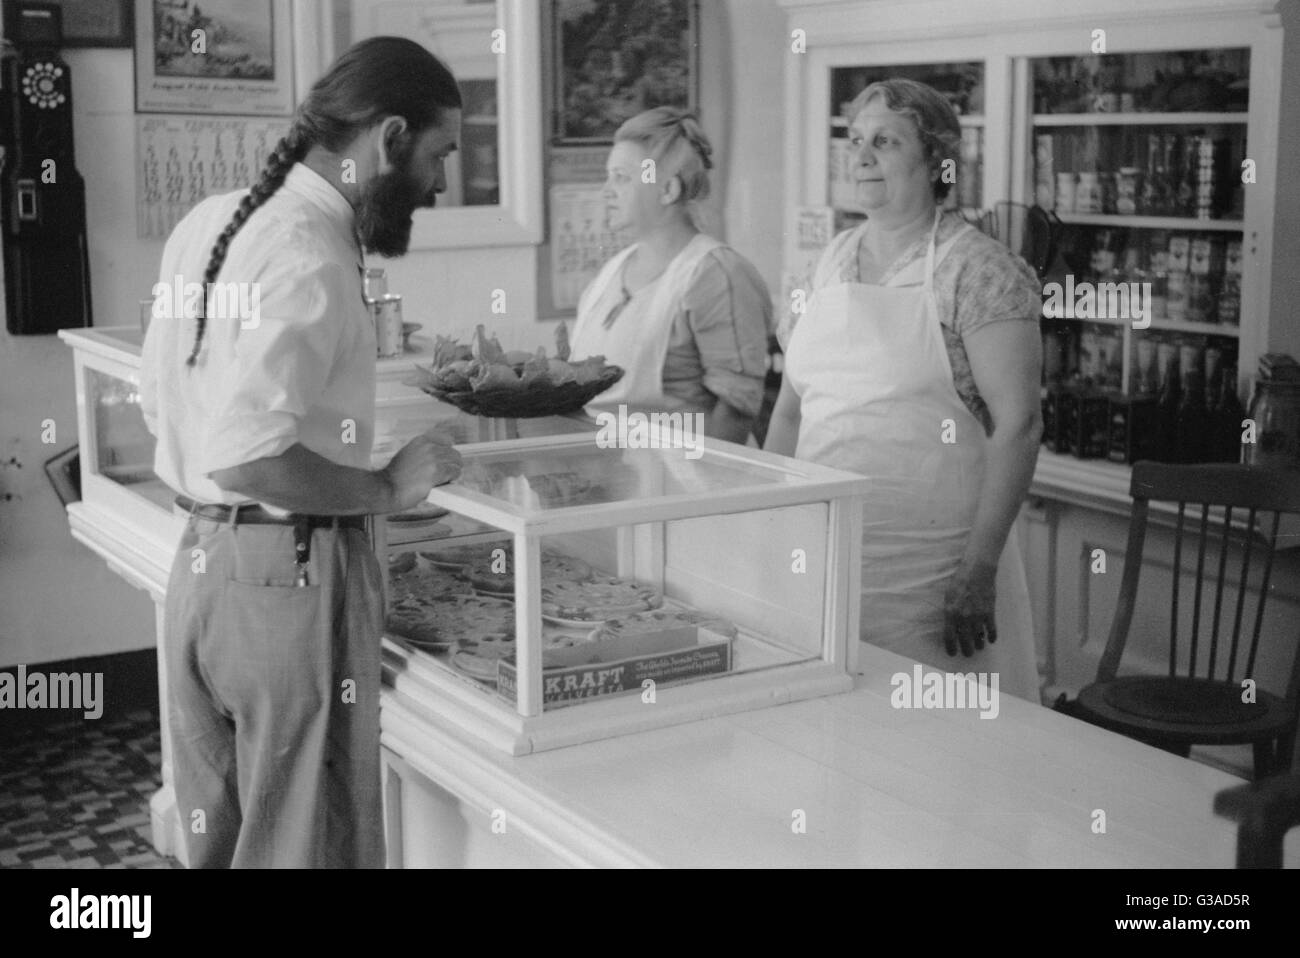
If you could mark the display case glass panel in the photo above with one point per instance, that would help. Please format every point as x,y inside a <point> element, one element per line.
<point>124,447</point>
<point>567,574</point>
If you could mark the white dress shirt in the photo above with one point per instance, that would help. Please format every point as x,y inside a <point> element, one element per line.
<point>303,372</point>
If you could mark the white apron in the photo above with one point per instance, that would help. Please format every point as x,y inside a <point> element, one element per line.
<point>876,393</point>
<point>638,338</point>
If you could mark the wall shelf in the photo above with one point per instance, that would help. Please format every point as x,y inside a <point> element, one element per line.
<point>1151,222</point>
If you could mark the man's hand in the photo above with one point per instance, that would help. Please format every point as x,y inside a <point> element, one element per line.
<point>968,609</point>
<point>426,461</point>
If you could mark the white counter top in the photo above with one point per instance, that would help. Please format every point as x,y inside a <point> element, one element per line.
<point>879,786</point>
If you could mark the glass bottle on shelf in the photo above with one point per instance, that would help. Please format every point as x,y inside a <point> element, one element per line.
<point>1227,421</point>
<point>1149,202</point>
<point>1164,445</point>
<point>1188,178</point>
<point>1191,427</point>
<point>1169,174</point>
<point>1192,419</point>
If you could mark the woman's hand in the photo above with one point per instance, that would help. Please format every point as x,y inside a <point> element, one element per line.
<point>968,609</point>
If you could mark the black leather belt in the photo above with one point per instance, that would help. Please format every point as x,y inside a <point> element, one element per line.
<point>254,514</point>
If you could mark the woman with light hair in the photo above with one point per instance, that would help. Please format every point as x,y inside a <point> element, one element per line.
<point>917,363</point>
<point>686,316</point>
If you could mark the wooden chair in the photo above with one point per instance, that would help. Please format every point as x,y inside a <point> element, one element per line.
<point>1264,813</point>
<point>1203,705</point>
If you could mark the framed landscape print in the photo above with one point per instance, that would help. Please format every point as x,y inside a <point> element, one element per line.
<point>229,57</point>
<point>616,58</point>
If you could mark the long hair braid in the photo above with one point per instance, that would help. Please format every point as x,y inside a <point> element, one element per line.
<point>373,79</point>
<point>287,152</point>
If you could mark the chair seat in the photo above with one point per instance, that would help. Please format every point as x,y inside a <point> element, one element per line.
<point>1182,709</point>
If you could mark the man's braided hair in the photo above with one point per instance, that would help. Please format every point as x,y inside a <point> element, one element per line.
<point>373,79</point>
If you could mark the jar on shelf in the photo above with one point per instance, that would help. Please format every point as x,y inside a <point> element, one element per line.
<point>1275,409</point>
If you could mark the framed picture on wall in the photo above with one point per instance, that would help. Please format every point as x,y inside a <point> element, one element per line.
<point>230,57</point>
<point>97,23</point>
<point>616,58</point>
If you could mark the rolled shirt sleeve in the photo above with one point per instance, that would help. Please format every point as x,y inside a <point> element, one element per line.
<point>728,312</point>
<point>281,365</point>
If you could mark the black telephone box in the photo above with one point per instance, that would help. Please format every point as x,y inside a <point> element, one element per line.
<point>42,196</point>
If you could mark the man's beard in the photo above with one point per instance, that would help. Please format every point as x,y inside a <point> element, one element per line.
<point>384,212</point>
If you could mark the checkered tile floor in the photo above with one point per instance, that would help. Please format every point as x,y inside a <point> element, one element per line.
<point>76,794</point>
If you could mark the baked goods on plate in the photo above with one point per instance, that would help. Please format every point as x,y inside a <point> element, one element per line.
<point>457,557</point>
<point>502,646</point>
<point>661,620</point>
<point>443,622</point>
<point>485,380</point>
<point>419,578</point>
<point>485,578</point>
<point>594,601</point>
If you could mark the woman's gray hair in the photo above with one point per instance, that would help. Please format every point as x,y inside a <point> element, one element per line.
<point>676,142</point>
<point>935,120</point>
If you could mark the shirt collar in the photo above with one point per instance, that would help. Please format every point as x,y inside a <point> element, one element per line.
<point>311,186</point>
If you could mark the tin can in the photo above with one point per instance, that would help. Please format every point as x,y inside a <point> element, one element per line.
<point>1229,304</point>
<point>1180,253</point>
<point>386,310</point>
<point>1126,190</point>
<point>1200,302</point>
<point>1158,247</point>
<point>1089,358</point>
<point>1159,295</point>
<point>1232,258</point>
<point>1066,193</point>
<point>1198,262</point>
<point>1176,297</point>
<point>1087,198</point>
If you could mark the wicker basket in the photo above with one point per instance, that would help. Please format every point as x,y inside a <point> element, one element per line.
<point>534,400</point>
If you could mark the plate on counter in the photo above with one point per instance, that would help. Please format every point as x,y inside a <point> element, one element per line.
<point>424,512</point>
<point>476,667</point>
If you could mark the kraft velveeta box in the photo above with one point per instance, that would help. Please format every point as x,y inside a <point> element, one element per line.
<point>622,664</point>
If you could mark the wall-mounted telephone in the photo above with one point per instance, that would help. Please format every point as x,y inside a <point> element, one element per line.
<point>42,196</point>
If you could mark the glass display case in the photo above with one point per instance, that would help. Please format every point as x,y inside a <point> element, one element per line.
<point>125,513</point>
<point>574,592</point>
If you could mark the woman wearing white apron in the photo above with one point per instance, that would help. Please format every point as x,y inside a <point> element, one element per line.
<point>917,364</point>
<point>684,315</point>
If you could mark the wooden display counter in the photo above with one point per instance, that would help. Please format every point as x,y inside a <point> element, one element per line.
<point>845,780</point>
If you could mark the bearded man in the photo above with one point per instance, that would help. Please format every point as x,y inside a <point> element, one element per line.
<point>265,425</point>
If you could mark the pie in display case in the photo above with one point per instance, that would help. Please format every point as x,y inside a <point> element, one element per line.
<point>572,592</point>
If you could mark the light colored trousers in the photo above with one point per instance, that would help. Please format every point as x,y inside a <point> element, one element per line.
<point>274,698</point>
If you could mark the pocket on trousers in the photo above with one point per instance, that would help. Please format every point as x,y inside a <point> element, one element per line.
<point>276,642</point>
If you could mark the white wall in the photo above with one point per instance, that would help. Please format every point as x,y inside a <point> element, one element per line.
<point>1284,328</point>
<point>58,600</point>
<point>753,61</point>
